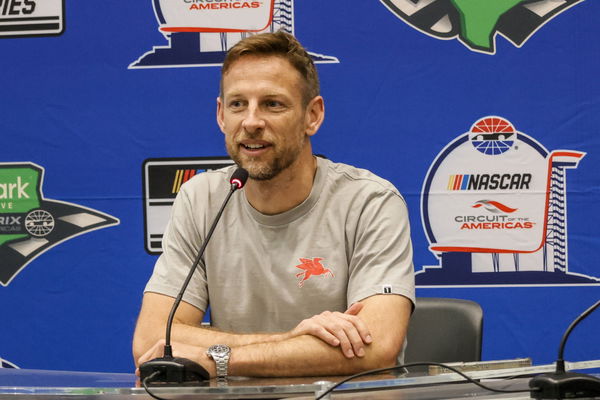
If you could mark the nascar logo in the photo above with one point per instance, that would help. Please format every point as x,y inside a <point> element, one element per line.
<point>489,182</point>
<point>163,178</point>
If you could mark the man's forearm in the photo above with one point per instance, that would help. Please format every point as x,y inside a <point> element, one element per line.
<point>305,356</point>
<point>198,337</point>
<point>334,328</point>
<point>205,336</point>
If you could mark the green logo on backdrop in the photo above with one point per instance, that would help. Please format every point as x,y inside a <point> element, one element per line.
<point>476,23</point>
<point>30,224</point>
<point>478,19</point>
<point>18,195</point>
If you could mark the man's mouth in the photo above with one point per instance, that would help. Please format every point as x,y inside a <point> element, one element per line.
<point>253,146</point>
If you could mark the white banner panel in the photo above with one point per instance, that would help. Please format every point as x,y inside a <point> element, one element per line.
<point>216,15</point>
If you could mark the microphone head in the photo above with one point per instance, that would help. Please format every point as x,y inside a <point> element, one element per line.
<point>239,178</point>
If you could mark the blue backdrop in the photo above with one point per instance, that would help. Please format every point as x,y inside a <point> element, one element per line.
<point>71,104</point>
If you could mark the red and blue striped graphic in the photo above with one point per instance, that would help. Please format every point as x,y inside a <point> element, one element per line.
<point>458,182</point>
<point>182,176</point>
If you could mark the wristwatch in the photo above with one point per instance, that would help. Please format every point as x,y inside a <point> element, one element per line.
<point>220,353</point>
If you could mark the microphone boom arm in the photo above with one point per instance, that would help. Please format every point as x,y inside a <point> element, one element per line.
<point>168,348</point>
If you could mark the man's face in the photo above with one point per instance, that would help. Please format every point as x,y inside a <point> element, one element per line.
<point>261,113</point>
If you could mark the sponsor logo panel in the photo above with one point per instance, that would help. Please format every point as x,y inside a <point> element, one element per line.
<point>477,24</point>
<point>211,16</point>
<point>20,18</point>
<point>200,32</point>
<point>162,180</point>
<point>494,210</point>
<point>31,224</point>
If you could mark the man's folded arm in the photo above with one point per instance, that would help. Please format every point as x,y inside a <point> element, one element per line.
<point>385,316</point>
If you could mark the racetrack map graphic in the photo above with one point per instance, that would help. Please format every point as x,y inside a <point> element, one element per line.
<point>476,23</point>
<point>30,224</point>
<point>494,210</point>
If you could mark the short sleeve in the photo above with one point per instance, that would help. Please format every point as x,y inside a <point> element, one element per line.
<point>381,261</point>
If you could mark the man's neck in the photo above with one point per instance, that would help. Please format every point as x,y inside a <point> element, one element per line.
<point>287,190</point>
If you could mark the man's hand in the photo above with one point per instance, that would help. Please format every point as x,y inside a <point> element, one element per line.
<point>345,329</point>
<point>194,353</point>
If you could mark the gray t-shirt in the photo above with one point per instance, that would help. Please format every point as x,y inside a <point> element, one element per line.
<point>348,240</point>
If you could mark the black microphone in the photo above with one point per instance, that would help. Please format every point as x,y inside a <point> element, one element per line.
<point>566,385</point>
<point>238,178</point>
<point>169,369</point>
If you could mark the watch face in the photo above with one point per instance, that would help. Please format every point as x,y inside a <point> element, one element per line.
<point>219,350</point>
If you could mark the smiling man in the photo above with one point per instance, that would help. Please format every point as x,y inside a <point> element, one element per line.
<point>309,271</point>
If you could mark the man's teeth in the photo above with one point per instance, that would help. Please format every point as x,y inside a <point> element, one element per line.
<point>254,146</point>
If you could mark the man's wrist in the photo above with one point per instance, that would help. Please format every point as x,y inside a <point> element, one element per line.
<point>207,362</point>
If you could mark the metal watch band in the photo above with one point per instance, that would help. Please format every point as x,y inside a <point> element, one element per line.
<point>222,365</point>
<point>220,354</point>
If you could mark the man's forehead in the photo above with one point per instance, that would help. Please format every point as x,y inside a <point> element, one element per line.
<point>258,66</point>
<point>259,62</point>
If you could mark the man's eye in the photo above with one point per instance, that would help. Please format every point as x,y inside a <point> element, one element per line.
<point>274,104</point>
<point>235,104</point>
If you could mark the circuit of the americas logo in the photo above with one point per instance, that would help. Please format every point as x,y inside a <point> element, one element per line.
<point>200,32</point>
<point>23,18</point>
<point>162,179</point>
<point>30,224</point>
<point>494,210</point>
<point>476,23</point>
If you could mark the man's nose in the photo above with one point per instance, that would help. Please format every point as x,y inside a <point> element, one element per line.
<point>253,120</point>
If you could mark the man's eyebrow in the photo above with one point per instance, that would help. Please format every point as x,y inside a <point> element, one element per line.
<point>264,96</point>
<point>232,94</point>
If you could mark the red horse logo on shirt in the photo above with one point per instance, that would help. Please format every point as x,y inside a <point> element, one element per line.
<point>310,268</point>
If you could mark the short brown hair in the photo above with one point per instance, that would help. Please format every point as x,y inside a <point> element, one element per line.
<point>279,44</point>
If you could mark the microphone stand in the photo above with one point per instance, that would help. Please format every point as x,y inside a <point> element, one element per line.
<point>566,385</point>
<point>169,369</point>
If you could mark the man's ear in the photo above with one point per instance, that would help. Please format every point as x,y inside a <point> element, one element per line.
<point>314,116</point>
<point>220,119</point>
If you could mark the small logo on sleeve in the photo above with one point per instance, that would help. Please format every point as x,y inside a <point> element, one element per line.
<point>387,289</point>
